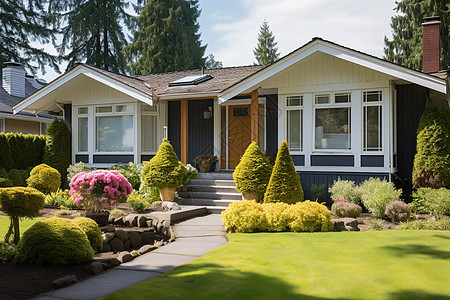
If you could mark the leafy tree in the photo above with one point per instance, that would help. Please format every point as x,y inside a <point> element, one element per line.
<point>211,63</point>
<point>266,49</point>
<point>22,22</point>
<point>405,48</point>
<point>167,38</point>
<point>92,31</point>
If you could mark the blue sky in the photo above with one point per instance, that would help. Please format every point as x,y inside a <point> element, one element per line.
<point>230,28</point>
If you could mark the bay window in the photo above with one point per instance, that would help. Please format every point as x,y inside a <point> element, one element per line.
<point>294,119</point>
<point>114,128</point>
<point>82,113</point>
<point>372,120</point>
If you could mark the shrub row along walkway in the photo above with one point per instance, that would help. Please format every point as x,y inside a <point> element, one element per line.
<point>195,237</point>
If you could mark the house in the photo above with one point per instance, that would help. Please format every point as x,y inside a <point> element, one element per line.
<point>16,85</point>
<point>344,113</point>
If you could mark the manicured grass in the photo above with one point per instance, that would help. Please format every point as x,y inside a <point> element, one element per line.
<point>24,225</point>
<point>343,265</point>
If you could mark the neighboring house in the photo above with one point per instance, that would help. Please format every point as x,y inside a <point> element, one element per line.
<point>344,113</point>
<point>16,85</point>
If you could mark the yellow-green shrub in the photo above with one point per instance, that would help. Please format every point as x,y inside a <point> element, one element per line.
<point>310,216</point>
<point>377,194</point>
<point>44,178</point>
<point>244,216</point>
<point>277,216</point>
<point>93,233</point>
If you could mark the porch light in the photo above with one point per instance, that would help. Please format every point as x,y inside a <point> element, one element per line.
<point>207,114</point>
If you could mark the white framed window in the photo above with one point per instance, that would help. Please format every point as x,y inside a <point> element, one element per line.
<point>332,119</point>
<point>149,129</point>
<point>114,128</point>
<point>294,122</point>
<point>82,121</point>
<point>2,125</point>
<point>372,121</point>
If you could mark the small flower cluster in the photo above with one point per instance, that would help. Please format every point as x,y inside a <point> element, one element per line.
<point>99,189</point>
<point>205,158</point>
<point>339,201</point>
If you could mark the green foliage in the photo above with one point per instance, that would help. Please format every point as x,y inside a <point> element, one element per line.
<point>7,252</point>
<point>434,114</point>
<point>432,161</point>
<point>20,151</point>
<point>137,202</point>
<point>346,209</point>
<point>57,152</point>
<point>284,184</point>
<point>18,177</point>
<point>345,190</point>
<point>318,192</point>
<point>406,46</point>
<point>44,178</point>
<point>54,241</point>
<point>310,216</point>
<point>244,216</point>
<point>3,173</point>
<point>253,172</point>
<point>21,201</point>
<point>211,63</point>
<point>149,193</point>
<point>93,233</point>
<point>191,173</point>
<point>266,50</point>
<point>164,169</point>
<point>4,182</point>
<point>61,198</point>
<point>398,211</point>
<point>277,216</point>
<point>131,173</point>
<point>375,225</point>
<point>441,224</point>
<point>117,213</point>
<point>166,38</point>
<point>377,194</point>
<point>79,167</point>
<point>431,201</point>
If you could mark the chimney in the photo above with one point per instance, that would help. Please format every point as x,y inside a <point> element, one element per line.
<point>13,79</point>
<point>430,45</point>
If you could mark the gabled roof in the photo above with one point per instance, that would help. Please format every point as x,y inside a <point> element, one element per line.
<point>333,49</point>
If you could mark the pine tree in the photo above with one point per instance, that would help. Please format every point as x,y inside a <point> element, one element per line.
<point>405,48</point>
<point>211,63</point>
<point>167,38</point>
<point>93,32</point>
<point>266,50</point>
<point>21,23</point>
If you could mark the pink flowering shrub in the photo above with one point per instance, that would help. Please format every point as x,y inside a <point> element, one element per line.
<point>99,189</point>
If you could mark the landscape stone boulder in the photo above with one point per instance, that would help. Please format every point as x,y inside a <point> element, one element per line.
<point>148,237</point>
<point>107,236</point>
<point>131,220</point>
<point>122,235</point>
<point>135,240</point>
<point>146,248</point>
<point>116,244</point>
<point>127,245</point>
<point>142,221</point>
<point>125,256</point>
<point>95,267</point>
<point>106,247</point>
<point>351,224</point>
<point>64,281</point>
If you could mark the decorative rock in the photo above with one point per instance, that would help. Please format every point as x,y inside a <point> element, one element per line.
<point>116,244</point>
<point>339,225</point>
<point>131,220</point>
<point>159,226</point>
<point>110,228</point>
<point>159,243</point>
<point>119,221</point>
<point>106,247</point>
<point>170,205</point>
<point>172,235</point>
<point>65,281</point>
<point>165,228</point>
<point>122,235</point>
<point>142,221</point>
<point>112,262</point>
<point>135,240</point>
<point>127,245</point>
<point>146,248</point>
<point>124,257</point>
<point>148,237</point>
<point>111,219</point>
<point>107,236</point>
<point>351,224</point>
<point>95,267</point>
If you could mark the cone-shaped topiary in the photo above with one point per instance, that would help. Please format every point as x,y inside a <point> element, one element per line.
<point>432,161</point>
<point>284,184</point>
<point>45,179</point>
<point>164,170</point>
<point>252,174</point>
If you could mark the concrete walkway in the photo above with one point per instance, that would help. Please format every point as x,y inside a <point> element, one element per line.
<point>195,237</point>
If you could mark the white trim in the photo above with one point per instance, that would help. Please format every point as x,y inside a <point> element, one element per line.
<point>342,169</point>
<point>27,118</point>
<point>2,125</point>
<point>217,137</point>
<point>346,54</point>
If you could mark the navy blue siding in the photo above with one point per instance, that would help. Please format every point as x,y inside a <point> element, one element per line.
<point>332,160</point>
<point>82,157</point>
<point>327,178</point>
<point>271,123</point>
<point>174,121</point>
<point>146,157</point>
<point>68,115</point>
<point>200,130</point>
<point>98,159</point>
<point>298,160</point>
<point>411,103</point>
<point>372,160</point>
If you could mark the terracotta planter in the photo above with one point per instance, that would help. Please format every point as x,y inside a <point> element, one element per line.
<point>250,196</point>
<point>101,218</point>
<point>204,167</point>
<point>167,194</point>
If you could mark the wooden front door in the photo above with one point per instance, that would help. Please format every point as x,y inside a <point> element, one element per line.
<point>238,133</point>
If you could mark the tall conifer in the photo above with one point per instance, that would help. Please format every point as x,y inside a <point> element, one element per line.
<point>266,50</point>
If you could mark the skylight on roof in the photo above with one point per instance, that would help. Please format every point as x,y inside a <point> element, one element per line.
<point>191,80</point>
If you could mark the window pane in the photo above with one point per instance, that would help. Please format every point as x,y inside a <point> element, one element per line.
<point>322,99</point>
<point>333,128</point>
<point>115,133</point>
<point>372,96</point>
<point>82,110</point>
<point>124,108</point>
<point>372,128</point>
<point>103,109</point>
<point>294,100</point>
<point>223,132</point>
<point>82,134</point>
<point>149,133</point>
<point>294,129</point>
<point>240,112</point>
<point>342,98</point>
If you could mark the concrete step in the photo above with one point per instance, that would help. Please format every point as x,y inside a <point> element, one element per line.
<point>215,209</point>
<point>209,195</point>
<point>204,202</point>
<point>216,175</point>
<point>202,181</point>
<point>212,188</point>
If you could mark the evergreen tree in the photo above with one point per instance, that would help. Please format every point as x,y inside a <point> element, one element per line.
<point>167,38</point>
<point>266,50</point>
<point>21,23</point>
<point>93,32</point>
<point>405,48</point>
<point>211,63</point>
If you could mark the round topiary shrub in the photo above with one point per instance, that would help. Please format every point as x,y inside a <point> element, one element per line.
<point>284,184</point>
<point>20,202</point>
<point>54,241</point>
<point>310,216</point>
<point>277,216</point>
<point>93,233</point>
<point>253,172</point>
<point>44,178</point>
<point>398,211</point>
<point>244,216</point>
<point>346,209</point>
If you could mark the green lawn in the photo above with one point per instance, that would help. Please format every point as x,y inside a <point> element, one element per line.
<point>344,265</point>
<point>24,225</point>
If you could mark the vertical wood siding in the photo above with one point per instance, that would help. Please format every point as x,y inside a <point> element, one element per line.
<point>174,133</point>
<point>200,130</point>
<point>271,124</point>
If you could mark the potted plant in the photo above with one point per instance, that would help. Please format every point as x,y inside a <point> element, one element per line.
<point>164,171</point>
<point>204,162</point>
<point>98,190</point>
